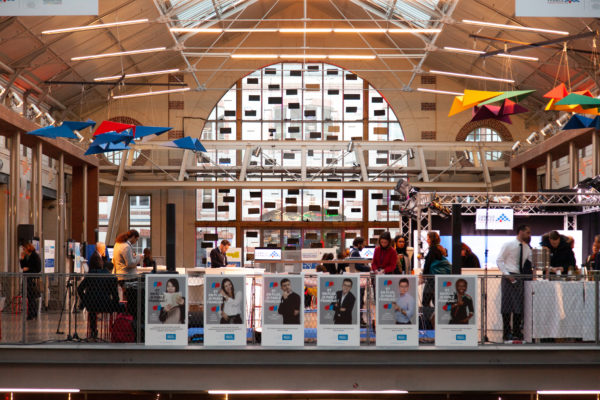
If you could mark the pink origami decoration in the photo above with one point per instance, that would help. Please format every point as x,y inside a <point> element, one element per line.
<point>500,113</point>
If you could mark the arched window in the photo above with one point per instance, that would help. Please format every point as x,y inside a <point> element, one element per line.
<point>485,134</point>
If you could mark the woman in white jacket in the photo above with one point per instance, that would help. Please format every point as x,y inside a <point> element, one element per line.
<point>124,258</point>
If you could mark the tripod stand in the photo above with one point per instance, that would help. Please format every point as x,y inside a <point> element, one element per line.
<point>70,287</point>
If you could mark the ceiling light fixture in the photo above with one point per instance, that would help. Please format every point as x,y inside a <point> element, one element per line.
<point>485,78</point>
<point>312,56</point>
<point>525,58</point>
<point>277,391</point>
<point>396,30</point>
<point>513,27</point>
<point>196,30</point>
<point>305,30</point>
<point>359,30</point>
<point>305,56</point>
<point>459,50</point>
<point>257,30</point>
<point>567,392</point>
<point>137,75</point>
<point>254,56</point>
<point>439,91</point>
<point>120,53</point>
<point>128,96</point>
<point>38,390</point>
<point>92,27</point>
<point>351,57</point>
<point>400,55</point>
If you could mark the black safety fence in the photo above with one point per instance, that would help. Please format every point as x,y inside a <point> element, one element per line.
<point>105,308</point>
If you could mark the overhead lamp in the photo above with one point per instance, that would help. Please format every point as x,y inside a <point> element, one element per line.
<point>92,27</point>
<point>279,391</point>
<point>411,154</point>
<point>128,96</point>
<point>254,30</point>
<point>313,56</point>
<point>359,30</point>
<point>485,78</point>
<point>305,30</point>
<point>439,91</point>
<point>532,138</point>
<point>119,53</point>
<point>401,55</point>
<point>36,110</point>
<point>516,146</point>
<point>195,30</point>
<point>38,390</point>
<point>459,50</point>
<point>513,27</point>
<point>136,75</point>
<point>568,392</point>
<point>425,30</point>
<point>18,101</point>
<point>51,121</point>
<point>516,57</point>
<point>257,151</point>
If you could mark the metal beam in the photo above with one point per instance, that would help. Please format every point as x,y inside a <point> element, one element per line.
<point>421,155</point>
<point>110,233</point>
<point>245,163</point>
<point>360,157</point>
<point>184,163</point>
<point>484,168</point>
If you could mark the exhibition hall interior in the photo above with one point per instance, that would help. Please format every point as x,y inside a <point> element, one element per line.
<point>300,199</point>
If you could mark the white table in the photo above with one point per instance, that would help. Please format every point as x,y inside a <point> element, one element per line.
<point>554,309</point>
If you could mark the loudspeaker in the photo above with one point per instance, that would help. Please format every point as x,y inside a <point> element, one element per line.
<point>170,251</point>
<point>456,239</point>
<point>24,234</point>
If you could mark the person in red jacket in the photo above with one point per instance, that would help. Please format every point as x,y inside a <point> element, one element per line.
<point>385,258</point>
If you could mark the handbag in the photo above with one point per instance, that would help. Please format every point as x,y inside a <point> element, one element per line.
<point>441,267</point>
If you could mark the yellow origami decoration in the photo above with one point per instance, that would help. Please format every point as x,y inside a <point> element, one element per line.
<point>483,106</point>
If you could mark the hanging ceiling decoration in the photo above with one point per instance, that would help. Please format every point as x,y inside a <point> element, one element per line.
<point>68,130</point>
<point>484,107</point>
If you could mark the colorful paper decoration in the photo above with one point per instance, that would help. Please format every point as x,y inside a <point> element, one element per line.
<point>65,130</point>
<point>484,107</point>
<point>187,143</point>
<point>579,102</point>
<point>578,122</point>
<point>105,148</point>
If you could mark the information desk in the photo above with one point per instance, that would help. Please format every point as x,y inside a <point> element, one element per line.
<point>559,309</point>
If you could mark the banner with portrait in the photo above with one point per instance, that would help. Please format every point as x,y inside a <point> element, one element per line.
<point>225,310</point>
<point>338,312</point>
<point>283,310</point>
<point>456,302</point>
<point>397,317</point>
<point>166,310</point>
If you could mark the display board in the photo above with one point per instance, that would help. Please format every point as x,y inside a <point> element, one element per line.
<point>77,258</point>
<point>338,312</point>
<point>494,219</point>
<point>224,310</point>
<point>397,316</point>
<point>49,254</point>
<point>456,302</point>
<point>234,256</point>
<point>48,7</point>
<point>558,8</point>
<point>166,310</point>
<point>283,311</point>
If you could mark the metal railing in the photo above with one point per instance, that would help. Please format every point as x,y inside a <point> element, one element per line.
<point>101,308</point>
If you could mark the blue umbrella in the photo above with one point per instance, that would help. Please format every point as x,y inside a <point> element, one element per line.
<point>187,143</point>
<point>64,131</point>
<point>141,131</point>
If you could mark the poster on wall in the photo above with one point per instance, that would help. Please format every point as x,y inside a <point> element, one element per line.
<point>48,7</point>
<point>338,312</point>
<point>166,310</point>
<point>455,310</point>
<point>558,8</point>
<point>283,311</point>
<point>49,252</point>
<point>234,256</point>
<point>224,310</point>
<point>77,258</point>
<point>397,317</point>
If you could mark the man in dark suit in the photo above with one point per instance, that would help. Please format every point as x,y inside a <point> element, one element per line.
<point>344,304</point>
<point>289,307</point>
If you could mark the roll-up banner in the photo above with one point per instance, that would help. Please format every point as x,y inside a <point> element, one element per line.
<point>283,311</point>
<point>166,310</point>
<point>456,303</point>
<point>397,317</point>
<point>338,310</point>
<point>224,310</point>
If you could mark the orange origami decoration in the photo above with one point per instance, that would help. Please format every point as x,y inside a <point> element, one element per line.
<point>482,104</point>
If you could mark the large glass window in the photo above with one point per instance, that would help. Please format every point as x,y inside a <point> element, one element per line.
<point>485,134</point>
<point>140,219</point>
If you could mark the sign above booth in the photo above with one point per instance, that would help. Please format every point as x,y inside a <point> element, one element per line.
<point>557,8</point>
<point>497,219</point>
<point>14,8</point>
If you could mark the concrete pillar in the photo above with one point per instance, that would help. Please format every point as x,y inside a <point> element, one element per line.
<point>523,179</point>
<point>573,165</point>
<point>13,202</point>
<point>548,182</point>
<point>60,226</point>
<point>595,154</point>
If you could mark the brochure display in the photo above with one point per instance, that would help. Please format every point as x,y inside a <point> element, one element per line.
<point>49,252</point>
<point>166,310</point>
<point>224,310</point>
<point>456,303</point>
<point>397,311</point>
<point>338,312</point>
<point>283,311</point>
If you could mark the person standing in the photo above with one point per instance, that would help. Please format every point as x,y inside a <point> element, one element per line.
<point>385,258</point>
<point>469,259</point>
<point>357,245</point>
<point>403,260</point>
<point>344,304</point>
<point>124,258</point>
<point>289,307</point>
<point>561,253</point>
<point>148,261</point>
<point>218,256</point>
<point>96,261</point>
<point>31,264</point>
<point>512,260</point>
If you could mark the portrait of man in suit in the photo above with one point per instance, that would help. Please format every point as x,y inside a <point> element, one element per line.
<point>289,307</point>
<point>344,304</point>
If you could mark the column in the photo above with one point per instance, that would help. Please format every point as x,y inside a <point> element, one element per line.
<point>13,202</point>
<point>595,154</point>
<point>548,181</point>
<point>60,219</point>
<point>573,165</point>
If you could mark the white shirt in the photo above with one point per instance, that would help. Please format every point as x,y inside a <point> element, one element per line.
<point>233,306</point>
<point>508,258</point>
